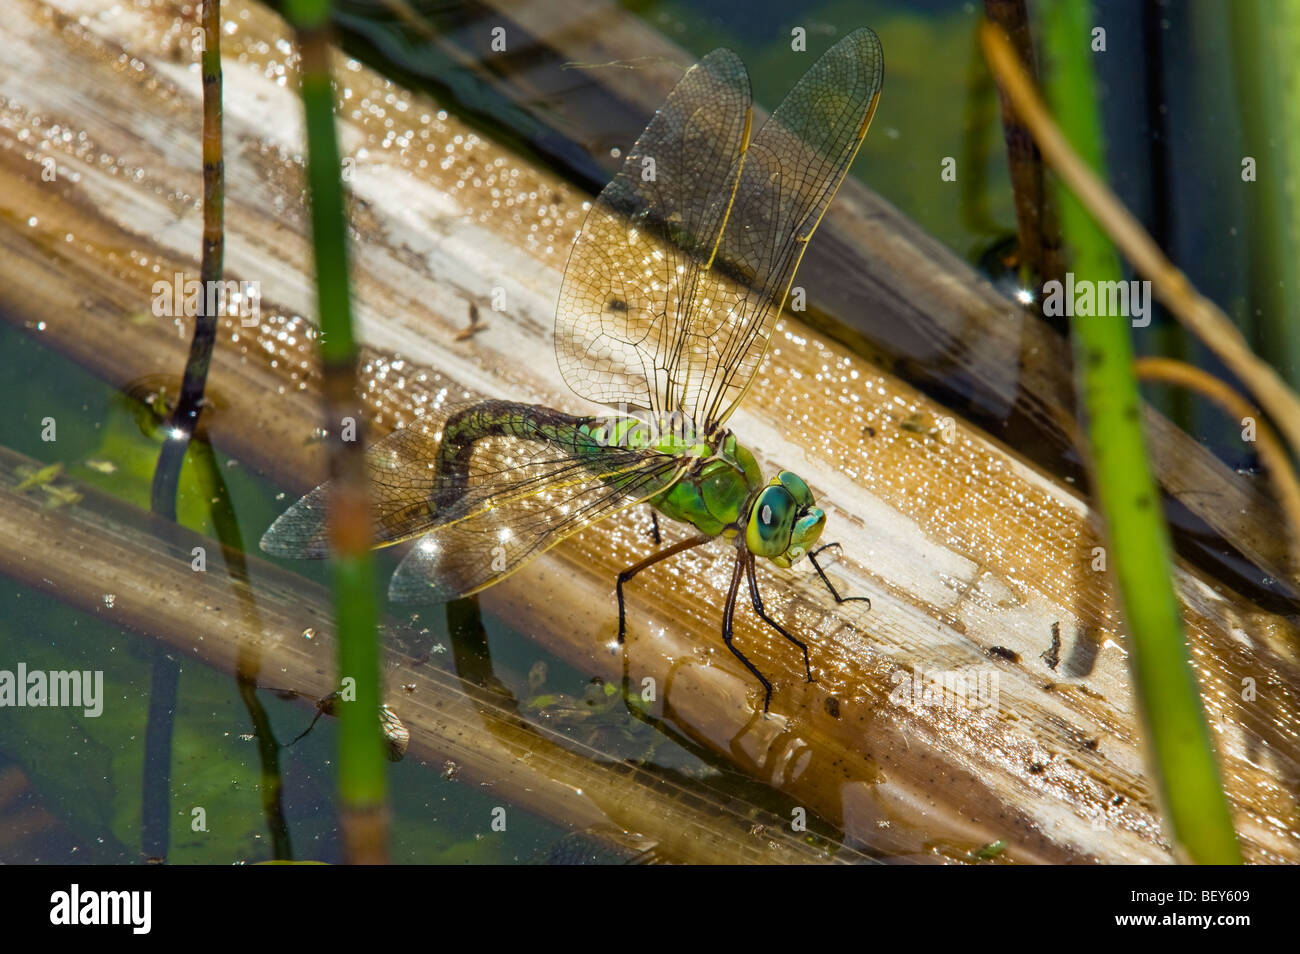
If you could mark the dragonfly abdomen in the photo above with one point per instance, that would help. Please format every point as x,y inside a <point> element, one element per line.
<point>465,428</point>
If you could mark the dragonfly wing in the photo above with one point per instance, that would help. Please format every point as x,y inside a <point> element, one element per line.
<point>508,498</point>
<point>467,555</point>
<point>791,172</point>
<point>647,242</point>
<point>401,471</point>
<point>299,532</point>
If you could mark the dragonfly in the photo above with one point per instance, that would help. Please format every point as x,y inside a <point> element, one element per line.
<point>667,305</point>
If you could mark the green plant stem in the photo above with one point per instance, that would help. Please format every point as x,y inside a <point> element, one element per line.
<point>362,769</point>
<point>1179,748</point>
<point>1264,37</point>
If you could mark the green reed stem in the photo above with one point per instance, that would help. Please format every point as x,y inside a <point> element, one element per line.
<point>1264,38</point>
<point>1179,748</point>
<point>362,769</point>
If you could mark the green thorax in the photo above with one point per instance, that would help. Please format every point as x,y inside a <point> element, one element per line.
<point>721,479</point>
<point>713,495</point>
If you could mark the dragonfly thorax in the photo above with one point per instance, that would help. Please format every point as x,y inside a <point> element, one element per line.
<point>713,495</point>
<point>724,493</point>
<point>783,524</point>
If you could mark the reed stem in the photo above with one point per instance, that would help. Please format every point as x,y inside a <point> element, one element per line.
<point>362,770</point>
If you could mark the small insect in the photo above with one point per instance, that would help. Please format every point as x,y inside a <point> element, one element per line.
<point>395,733</point>
<point>665,314</point>
<point>475,324</point>
<point>1052,654</point>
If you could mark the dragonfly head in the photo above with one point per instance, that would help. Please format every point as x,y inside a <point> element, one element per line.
<point>783,524</point>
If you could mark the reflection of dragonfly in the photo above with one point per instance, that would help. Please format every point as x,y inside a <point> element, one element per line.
<point>665,313</point>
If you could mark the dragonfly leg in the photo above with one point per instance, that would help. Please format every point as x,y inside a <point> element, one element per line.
<point>762,614</point>
<point>728,614</point>
<point>322,706</point>
<point>649,561</point>
<point>654,527</point>
<point>812,555</point>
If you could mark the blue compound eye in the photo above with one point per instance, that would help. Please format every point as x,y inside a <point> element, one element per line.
<point>771,520</point>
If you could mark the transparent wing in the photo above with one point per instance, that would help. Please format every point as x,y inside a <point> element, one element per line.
<point>791,172</point>
<point>460,558</point>
<point>511,498</point>
<point>622,325</point>
<point>402,482</point>
<point>658,311</point>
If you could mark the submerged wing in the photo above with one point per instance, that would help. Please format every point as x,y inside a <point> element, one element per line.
<point>657,311</point>
<point>512,498</point>
<point>637,265</point>
<point>792,170</point>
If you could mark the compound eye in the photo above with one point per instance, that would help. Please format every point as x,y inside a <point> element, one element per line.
<point>799,490</point>
<point>770,522</point>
